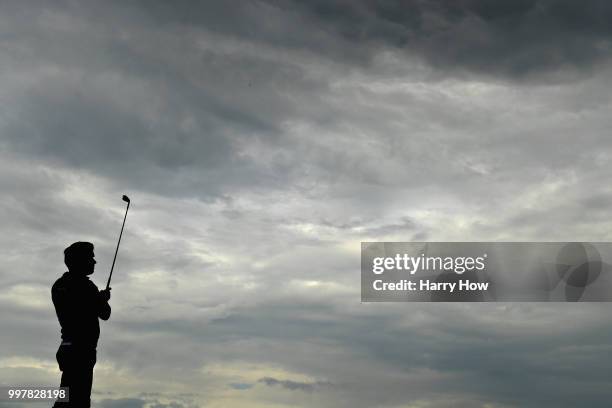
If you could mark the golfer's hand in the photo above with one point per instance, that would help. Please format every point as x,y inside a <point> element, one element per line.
<point>105,294</point>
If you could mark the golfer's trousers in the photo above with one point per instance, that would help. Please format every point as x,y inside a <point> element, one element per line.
<point>77,366</point>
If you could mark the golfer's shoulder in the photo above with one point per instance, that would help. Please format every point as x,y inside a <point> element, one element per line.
<point>72,284</point>
<point>60,289</point>
<point>61,284</point>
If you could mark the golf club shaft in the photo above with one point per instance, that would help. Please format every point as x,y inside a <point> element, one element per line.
<point>117,249</point>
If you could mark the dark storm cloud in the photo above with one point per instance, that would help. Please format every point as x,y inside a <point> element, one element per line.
<point>241,386</point>
<point>197,99</point>
<point>190,149</point>
<point>162,110</point>
<point>294,385</point>
<point>512,39</point>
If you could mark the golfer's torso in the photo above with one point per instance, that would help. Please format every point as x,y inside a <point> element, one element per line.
<point>76,301</point>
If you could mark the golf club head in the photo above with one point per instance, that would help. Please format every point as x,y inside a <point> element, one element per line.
<point>125,198</point>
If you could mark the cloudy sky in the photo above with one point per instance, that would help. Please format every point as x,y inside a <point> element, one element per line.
<point>261,142</point>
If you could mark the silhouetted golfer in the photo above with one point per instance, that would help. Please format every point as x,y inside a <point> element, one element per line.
<point>78,305</point>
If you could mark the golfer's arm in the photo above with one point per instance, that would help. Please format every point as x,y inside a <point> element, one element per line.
<point>104,309</point>
<point>63,307</point>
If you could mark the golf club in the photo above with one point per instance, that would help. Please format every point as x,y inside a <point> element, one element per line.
<point>127,200</point>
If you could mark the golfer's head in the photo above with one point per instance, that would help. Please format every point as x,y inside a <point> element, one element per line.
<point>79,257</point>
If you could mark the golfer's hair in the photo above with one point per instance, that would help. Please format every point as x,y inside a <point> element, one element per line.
<point>76,252</point>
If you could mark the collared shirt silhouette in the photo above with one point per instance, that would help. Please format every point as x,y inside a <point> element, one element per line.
<point>78,305</point>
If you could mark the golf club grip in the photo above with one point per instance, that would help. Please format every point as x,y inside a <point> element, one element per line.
<point>117,249</point>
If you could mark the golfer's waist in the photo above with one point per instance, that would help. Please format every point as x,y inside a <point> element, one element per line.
<point>80,342</point>
<point>78,346</point>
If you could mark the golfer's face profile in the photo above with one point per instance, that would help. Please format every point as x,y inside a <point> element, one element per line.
<point>88,263</point>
